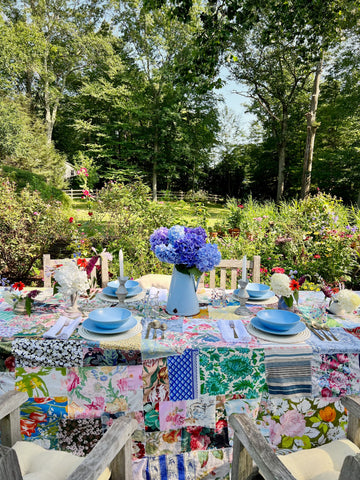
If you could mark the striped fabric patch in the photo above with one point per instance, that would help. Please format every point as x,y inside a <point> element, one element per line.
<point>288,370</point>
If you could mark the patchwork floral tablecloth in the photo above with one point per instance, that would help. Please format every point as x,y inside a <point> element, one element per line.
<point>180,389</point>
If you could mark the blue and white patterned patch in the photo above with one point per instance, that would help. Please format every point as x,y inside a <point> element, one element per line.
<point>184,375</point>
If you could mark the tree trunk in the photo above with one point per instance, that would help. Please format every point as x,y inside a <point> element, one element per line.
<point>282,154</point>
<point>311,132</point>
<point>154,173</point>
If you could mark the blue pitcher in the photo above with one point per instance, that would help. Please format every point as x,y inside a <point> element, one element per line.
<point>182,299</point>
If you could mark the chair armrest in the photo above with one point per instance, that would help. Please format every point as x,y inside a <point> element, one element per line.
<point>257,447</point>
<point>10,404</point>
<point>115,440</point>
<point>10,401</point>
<point>352,404</point>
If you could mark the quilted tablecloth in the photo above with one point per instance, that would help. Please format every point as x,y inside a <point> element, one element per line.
<point>181,389</point>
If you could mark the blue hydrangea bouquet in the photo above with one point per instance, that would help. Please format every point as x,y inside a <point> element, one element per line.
<point>186,248</point>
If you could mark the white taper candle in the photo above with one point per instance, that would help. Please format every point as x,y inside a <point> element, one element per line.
<point>243,276</point>
<point>121,263</point>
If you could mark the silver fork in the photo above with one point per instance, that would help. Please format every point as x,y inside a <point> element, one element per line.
<point>232,325</point>
<point>327,329</point>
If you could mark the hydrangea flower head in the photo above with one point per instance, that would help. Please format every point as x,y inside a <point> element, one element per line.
<point>185,246</point>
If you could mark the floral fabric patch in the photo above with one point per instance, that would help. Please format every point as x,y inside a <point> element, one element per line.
<point>237,370</point>
<point>79,436</point>
<point>290,425</point>
<point>31,352</point>
<point>155,380</point>
<point>172,415</point>
<point>336,375</point>
<point>163,443</point>
<point>39,420</point>
<point>93,390</point>
<point>41,381</point>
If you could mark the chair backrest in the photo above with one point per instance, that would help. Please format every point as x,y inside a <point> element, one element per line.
<point>49,263</point>
<point>234,268</point>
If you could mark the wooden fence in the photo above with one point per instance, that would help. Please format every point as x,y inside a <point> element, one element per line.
<point>161,195</point>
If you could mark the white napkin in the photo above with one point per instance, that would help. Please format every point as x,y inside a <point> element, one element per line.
<point>162,293</point>
<point>228,333</point>
<point>63,328</point>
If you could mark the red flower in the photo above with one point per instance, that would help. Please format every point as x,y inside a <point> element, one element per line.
<point>317,255</point>
<point>82,262</point>
<point>90,214</point>
<point>294,285</point>
<point>278,270</point>
<point>27,427</point>
<point>38,417</point>
<point>42,399</point>
<point>10,363</point>
<point>240,206</point>
<point>86,193</point>
<point>19,286</point>
<point>71,219</point>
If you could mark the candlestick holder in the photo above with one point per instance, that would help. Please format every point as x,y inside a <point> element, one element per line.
<point>242,296</point>
<point>121,292</point>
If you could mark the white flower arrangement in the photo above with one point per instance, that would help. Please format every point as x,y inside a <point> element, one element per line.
<point>286,287</point>
<point>71,280</point>
<point>347,300</point>
<point>280,284</point>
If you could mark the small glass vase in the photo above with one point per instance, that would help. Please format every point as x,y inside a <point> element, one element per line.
<point>283,306</point>
<point>72,310</point>
<point>20,308</point>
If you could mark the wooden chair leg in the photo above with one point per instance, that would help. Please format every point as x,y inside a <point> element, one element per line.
<point>242,464</point>
<point>10,429</point>
<point>9,465</point>
<point>121,466</point>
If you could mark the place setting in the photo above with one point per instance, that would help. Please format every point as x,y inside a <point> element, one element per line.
<point>109,324</point>
<point>279,326</point>
<point>258,294</point>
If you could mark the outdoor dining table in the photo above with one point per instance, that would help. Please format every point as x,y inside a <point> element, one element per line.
<point>180,388</point>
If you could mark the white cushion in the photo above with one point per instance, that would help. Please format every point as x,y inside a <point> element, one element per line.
<point>37,463</point>
<point>321,463</point>
<point>153,280</point>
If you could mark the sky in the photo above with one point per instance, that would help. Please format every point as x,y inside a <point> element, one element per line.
<point>235,102</point>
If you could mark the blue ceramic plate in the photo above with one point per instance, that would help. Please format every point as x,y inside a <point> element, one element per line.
<point>110,292</point>
<point>266,295</point>
<point>299,327</point>
<point>124,327</point>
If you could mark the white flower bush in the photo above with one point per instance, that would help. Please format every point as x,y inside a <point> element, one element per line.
<point>280,284</point>
<point>347,300</point>
<point>71,280</point>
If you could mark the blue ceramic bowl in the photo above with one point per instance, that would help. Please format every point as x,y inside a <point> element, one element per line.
<point>108,318</point>
<point>130,285</point>
<point>257,289</point>
<point>280,320</point>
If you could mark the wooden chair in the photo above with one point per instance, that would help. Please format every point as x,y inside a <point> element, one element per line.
<point>338,460</point>
<point>110,457</point>
<point>234,267</point>
<point>49,263</point>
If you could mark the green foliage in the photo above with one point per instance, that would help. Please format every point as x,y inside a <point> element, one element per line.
<point>23,142</point>
<point>29,227</point>
<point>123,217</point>
<point>24,178</point>
<point>318,236</point>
